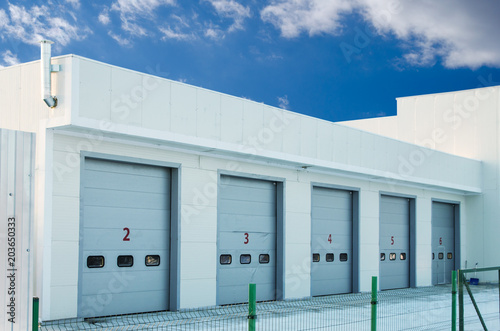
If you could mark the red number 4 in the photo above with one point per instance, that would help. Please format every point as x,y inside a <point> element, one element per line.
<point>126,238</point>
<point>330,238</point>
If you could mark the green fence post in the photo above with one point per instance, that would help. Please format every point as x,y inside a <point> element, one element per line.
<point>252,314</point>
<point>35,314</point>
<point>461,280</point>
<point>453,300</point>
<point>374,304</point>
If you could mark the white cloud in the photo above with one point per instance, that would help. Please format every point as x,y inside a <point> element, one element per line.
<point>4,19</point>
<point>104,17</point>
<point>214,33</point>
<point>119,39</point>
<point>233,10</point>
<point>315,17</point>
<point>30,25</point>
<point>9,59</point>
<point>462,33</point>
<point>131,10</point>
<point>283,102</point>
<point>168,33</point>
<point>74,3</point>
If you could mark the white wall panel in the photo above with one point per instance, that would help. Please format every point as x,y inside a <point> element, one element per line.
<point>67,301</point>
<point>201,227</point>
<point>298,270</point>
<point>424,120</point>
<point>33,109</point>
<point>325,140</point>
<point>388,126</point>
<point>127,95</point>
<point>298,227</point>
<point>253,122</point>
<point>208,118</point>
<point>232,120</point>
<point>10,94</point>
<point>183,103</point>
<point>95,90</point>
<point>291,140</point>
<point>198,293</point>
<point>298,197</point>
<point>271,134</point>
<point>65,171</point>
<point>64,268</point>
<point>308,136</point>
<point>197,260</point>
<point>340,148</point>
<point>156,110</point>
<point>199,187</point>
<point>65,218</point>
<point>406,121</point>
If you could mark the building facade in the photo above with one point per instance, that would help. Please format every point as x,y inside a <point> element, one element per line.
<point>150,194</point>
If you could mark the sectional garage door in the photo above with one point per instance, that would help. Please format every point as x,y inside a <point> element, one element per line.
<point>443,242</point>
<point>394,242</point>
<point>332,229</point>
<point>125,236</point>
<point>246,239</point>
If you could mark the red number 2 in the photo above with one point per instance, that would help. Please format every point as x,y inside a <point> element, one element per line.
<point>392,240</point>
<point>246,238</point>
<point>126,238</point>
<point>330,238</point>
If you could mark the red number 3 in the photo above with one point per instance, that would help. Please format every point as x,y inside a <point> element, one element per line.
<point>126,238</point>
<point>246,238</point>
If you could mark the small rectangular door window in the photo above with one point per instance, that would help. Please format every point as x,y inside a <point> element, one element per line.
<point>95,261</point>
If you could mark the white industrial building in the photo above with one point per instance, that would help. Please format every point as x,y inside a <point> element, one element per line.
<point>137,193</point>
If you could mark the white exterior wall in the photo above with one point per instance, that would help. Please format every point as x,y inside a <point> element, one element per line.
<point>464,123</point>
<point>16,241</point>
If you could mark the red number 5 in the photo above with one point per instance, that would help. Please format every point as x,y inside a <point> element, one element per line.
<point>126,238</point>
<point>246,238</point>
<point>392,240</point>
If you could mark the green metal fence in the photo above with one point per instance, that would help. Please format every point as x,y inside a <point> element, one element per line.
<point>479,302</point>
<point>423,308</point>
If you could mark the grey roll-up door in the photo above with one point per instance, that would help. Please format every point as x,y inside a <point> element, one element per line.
<point>331,241</point>
<point>125,238</point>
<point>443,242</point>
<point>394,242</point>
<point>246,239</point>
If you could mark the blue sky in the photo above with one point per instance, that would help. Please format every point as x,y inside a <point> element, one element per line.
<point>332,59</point>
